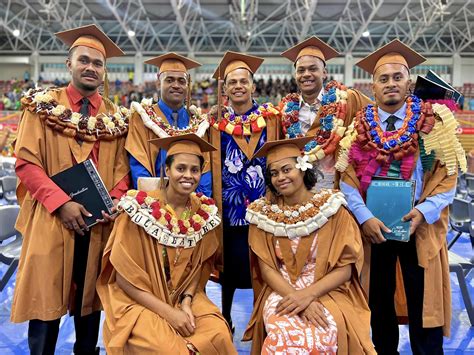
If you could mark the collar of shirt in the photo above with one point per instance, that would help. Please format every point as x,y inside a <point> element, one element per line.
<point>400,113</point>
<point>168,111</point>
<point>317,102</point>
<point>307,116</point>
<point>75,96</point>
<point>254,107</point>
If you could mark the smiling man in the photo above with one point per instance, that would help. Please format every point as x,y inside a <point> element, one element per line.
<point>320,109</point>
<point>239,130</point>
<point>60,257</point>
<point>403,137</point>
<point>166,118</point>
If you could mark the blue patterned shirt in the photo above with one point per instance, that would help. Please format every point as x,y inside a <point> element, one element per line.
<point>243,180</point>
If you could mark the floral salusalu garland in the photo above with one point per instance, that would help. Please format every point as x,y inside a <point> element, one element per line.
<point>331,118</point>
<point>104,126</point>
<point>151,214</point>
<point>239,125</point>
<point>371,148</point>
<point>198,123</point>
<point>295,221</point>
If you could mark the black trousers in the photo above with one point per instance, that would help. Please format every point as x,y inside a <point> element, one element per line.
<point>381,300</point>
<point>43,335</point>
<point>236,266</point>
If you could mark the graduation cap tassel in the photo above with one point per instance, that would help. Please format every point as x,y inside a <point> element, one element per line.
<point>106,84</point>
<point>188,96</point>
<point>219,98</point>
<point>162,173</point>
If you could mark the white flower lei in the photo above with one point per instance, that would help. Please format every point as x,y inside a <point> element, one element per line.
<point>161,128</point>
<point>263,214</point>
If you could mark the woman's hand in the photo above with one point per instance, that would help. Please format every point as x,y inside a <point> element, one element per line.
<point>314,314</point>
<point>186,308</point>
<point>180,321</point>
<point>294,303</point>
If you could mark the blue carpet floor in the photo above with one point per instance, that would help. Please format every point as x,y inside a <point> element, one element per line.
<point>13,337</point>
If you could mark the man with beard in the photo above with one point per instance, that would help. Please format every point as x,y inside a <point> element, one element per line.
<point>60,257</point>
<point>318,111</point>
<point>239,130</point>
<point>406,138</point>
<point>168,117</point>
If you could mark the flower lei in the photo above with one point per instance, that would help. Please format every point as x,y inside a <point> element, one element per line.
<point>72,124</point>
<point>198,123</point>
<point>295,221</point>
<point>239,125</point>
<point>331,118</point>
<point>432,128</point>
<point>152,216</point>
<point>374,148</point>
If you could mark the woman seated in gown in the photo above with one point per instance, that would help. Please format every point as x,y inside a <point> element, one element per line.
<point>306,254</point>
<point>158,260</point>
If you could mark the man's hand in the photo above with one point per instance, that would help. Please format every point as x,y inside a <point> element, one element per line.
<point>107,217</point>
<point>71,216</point>
<point>294,303</point>
<point>372,230</point>
<point>415,217</point>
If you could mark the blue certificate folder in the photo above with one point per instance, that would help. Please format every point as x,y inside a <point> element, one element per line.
<point>389,200</point>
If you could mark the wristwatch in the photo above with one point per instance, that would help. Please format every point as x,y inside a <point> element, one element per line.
<point>184,295</point>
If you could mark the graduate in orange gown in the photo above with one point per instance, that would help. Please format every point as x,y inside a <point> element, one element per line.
<point>306,257</point>
<point>60,258</point>
<point>158,261</point>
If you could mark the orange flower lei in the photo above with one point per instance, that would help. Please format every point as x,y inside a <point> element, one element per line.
<point>239,125</point>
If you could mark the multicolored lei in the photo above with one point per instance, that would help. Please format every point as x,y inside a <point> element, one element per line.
<point>331,118</point>
<point>239,125</point>
<point>152,215</point>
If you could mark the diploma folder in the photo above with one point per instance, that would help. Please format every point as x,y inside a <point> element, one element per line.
<point>389,200</point>
<point>83,184</point>
<point>457,96</point>
<point>427,89</point>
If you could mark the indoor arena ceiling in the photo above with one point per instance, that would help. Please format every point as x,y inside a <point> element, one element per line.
<point>262,27</point>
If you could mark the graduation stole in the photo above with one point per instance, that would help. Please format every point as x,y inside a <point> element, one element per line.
<point>331,118</point>
<point>198,123</point>
<point>243,125</point>
<point>104,126</point>
<point>150,214</point>
<point>295,221</point>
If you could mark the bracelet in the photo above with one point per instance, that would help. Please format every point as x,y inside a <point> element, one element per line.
<point>184,295</point>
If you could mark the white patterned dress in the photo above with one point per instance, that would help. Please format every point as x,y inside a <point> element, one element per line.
<point>291,335</point>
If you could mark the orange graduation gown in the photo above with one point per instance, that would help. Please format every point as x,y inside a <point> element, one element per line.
<point>43,284</point>
<point>432,254</point>
<point>339,244</point>
<point>130,327</point>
